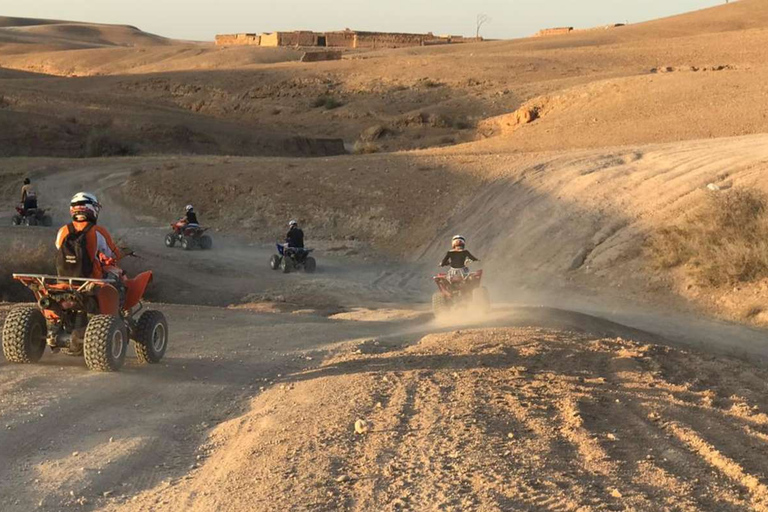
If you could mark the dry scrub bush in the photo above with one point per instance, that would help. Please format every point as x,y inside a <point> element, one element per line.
<point>725,242</point>
<point>366,148</point>
<point>101,142</point>
<point>23,258</point>
<point>329,102</point>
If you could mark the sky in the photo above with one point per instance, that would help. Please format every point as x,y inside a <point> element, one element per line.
<point>197,20</point>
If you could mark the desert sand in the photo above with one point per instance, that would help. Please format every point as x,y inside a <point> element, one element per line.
<point>599,381</point>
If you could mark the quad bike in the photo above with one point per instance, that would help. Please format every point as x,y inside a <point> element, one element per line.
<point>455,291</point>
<point>292,258</point>
<point>93,318</point>
<point>188,236</point>
<point>31,217</point>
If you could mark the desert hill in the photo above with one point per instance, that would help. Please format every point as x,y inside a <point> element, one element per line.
<point>65,35</point>
<point>660,81</point>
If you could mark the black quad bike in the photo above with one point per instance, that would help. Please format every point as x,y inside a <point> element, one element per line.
<point>288,259</point>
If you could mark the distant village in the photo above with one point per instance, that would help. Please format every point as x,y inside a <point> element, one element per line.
<point>360,39</point>
<point>340,39</point>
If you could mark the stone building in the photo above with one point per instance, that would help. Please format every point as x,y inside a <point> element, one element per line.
<point>339,39</point>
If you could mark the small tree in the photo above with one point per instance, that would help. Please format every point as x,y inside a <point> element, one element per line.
<point>482,19</point>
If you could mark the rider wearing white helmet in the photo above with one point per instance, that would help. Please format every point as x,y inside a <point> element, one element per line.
<point>190,216</point>
<point>295,236</point>
<point>457,257</point>
<point>84,209</point>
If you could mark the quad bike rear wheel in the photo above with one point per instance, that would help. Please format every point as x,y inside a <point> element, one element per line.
<point>170,240</point>
<point>274,262</point>
<point>440,304</point>
<point>47,221</point>
<point>151,337</point>
<point>105,344</point>
<point>186,243</point>
<point>24,335</point>
<point>16,220</point>
<point>310,265</point>
<point>206,242</point>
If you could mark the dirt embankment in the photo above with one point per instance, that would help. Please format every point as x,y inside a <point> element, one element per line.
<point>392,203</point>
<point>563,219</point>
<point>497,419</point>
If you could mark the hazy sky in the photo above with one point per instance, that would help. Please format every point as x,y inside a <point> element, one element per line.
<point>191,19</point>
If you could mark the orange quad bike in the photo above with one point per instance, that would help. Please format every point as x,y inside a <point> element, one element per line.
<point>455,291</point>
<point>93,318</point>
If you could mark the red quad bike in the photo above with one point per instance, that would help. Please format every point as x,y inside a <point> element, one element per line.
<point>83,317</point>
<point>31,217</point>
<point>188,236</point>
<point>456,291</point>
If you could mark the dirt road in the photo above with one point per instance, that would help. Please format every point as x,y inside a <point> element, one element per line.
<point>283,376</point>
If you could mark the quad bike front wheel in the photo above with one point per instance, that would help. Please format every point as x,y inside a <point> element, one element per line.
<point>151,337</point>
<point>170,240</point>
<point>24,335</point>
<point>285,264</point>
<point>47,221</point>
<point>16,220</point>
<point>274,262</point>
<point>105,344</point>
<point>440,304</point>
<point>310,265</point>
<point>186,243</point>
<point>206,242</point>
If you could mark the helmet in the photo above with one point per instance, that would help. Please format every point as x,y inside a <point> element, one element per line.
<point>189,208</point>
<point>84,206</point>
<point>26,181</point>
<point>458,242</point>
<point>293,223</point>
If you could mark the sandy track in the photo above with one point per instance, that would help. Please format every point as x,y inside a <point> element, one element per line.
<point>67,429</point>
<point>501,419</point>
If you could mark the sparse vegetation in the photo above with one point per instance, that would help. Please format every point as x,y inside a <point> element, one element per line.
<point>431,84</point>
<point>366,147</point>
<point>326,101</point>
<point>101,142</point>
<point>725,242</point>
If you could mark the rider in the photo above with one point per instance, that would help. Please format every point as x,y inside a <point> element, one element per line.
<point>294,240</point>
<point>102,251</point>
<point>28,196</point>
<point>457,258</point>
<point>295,236</point>
<point>190,217</point>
